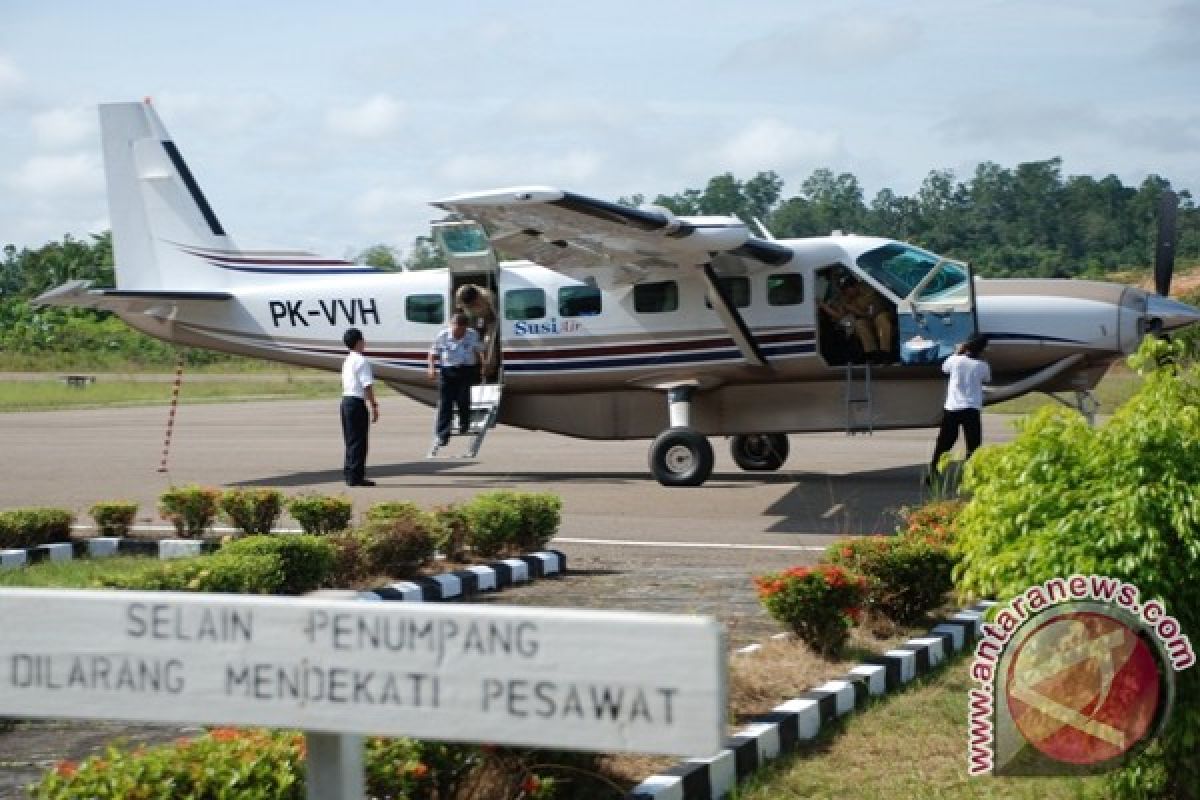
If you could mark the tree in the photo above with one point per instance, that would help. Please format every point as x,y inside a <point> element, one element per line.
<point>381,256</point>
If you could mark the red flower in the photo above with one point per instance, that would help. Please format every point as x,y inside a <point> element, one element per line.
<point>66,769</point>
<point>417,771</point>
<point>847,552</point>
<point>530,784</point>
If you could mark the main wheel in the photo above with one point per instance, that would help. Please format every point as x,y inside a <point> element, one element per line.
<point>681,457</point>
<point>759,452</point>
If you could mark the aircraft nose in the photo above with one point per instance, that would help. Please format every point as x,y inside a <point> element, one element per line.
<point>1165,314</point>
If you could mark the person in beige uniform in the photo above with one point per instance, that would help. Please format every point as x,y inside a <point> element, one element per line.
<point>476,302</point>
<point>869,314</point>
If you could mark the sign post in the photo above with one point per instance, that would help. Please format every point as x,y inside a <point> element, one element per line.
<point>535,677</point>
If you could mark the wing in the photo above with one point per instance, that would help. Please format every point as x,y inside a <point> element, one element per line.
<point>563,230</point>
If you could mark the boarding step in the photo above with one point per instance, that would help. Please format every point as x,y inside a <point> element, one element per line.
<point>485,407</point>
<point>860,411</point>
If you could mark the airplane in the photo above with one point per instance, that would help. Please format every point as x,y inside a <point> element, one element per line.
<point>613,322</point>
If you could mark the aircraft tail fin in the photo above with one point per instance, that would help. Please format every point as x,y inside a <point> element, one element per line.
<point>160,218</point>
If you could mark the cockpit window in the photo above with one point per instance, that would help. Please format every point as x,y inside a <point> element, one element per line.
<point>465,239</point>
<point>899,267</point>
<point>949,283</point>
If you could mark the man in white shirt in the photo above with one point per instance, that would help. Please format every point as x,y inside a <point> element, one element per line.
<point>454,363</point>
<point>964,399</point>
<point>357,393</point>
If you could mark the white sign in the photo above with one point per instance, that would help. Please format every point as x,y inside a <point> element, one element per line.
<point>583,680</point>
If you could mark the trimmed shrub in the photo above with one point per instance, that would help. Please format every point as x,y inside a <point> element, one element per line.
<point>541,513</point>
<point>495,523</point>
<point>191,509</point>
<point>114,518</point>
<point>399,546</point>
<point>906,576</point>
<point>224,762</point>
<point>319,514</point>
<point>307,561</point>
<point>396,509</point>
<point>455,528</point>
<point>1121,500</point>
<point>936,522</point>
<point>819,604</point>
<point>234,573</point>
<point>255,763</point>
<point>252,511</point>
<point>31,527</point>
<point>351,560</point>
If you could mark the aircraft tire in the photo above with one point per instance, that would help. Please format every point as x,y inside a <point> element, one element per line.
<point>759,452</point>
<point>681,457</point>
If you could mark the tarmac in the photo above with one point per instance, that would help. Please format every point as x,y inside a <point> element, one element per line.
<point>631,544</point>
<point>832,484</point>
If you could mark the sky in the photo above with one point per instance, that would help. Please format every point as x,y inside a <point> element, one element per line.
<point>330,126</point>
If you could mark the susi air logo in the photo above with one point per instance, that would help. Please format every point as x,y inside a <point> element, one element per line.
<point>550,326</point>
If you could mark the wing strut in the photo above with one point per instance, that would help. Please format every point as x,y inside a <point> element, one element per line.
<point>732,318</point>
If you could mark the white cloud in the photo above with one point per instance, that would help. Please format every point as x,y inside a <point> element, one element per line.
<point>1004,118</point>
<point>833,43</point>
<point>375,118</point>
<point>771,144</point>
<point>11,79</point>
<point>61,128</point>
<point>72,174</point>
<point>474,171</point>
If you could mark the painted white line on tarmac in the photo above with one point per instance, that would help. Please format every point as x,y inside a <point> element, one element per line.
<point>807,548</point>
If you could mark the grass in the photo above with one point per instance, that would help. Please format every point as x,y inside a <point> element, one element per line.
<point>1117,386</point>
<point>913,744</point>
<point>78,573</point>
<point>42,395</point>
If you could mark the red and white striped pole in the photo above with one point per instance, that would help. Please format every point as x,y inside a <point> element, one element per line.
<point>171,417</point>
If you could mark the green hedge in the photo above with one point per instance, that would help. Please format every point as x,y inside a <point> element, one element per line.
<point>321,513</point>
<point>31,527</point>
<point>191,509</point>
<point>252,511</point>
<point>221,572</point>
<point>306,561</point>
<point>114,518</point>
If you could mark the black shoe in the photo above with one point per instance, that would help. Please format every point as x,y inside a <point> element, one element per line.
<point>443,441</point>
<point>364,482</point>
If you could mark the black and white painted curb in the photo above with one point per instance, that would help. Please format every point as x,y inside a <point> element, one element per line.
<point>464,583</point>
<point>103,546</point>
<point>448,586</point>
<point>800,719</point>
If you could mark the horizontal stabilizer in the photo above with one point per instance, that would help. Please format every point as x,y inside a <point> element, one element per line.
<point>77,294</point>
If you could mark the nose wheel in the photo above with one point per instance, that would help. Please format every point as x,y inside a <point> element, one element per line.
<point>681,457</point>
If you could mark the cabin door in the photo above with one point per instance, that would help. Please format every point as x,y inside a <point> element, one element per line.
<point>938,314</point>
<point>471,262</point>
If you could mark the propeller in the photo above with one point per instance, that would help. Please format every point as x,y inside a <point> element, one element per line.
<point>1164,251</point>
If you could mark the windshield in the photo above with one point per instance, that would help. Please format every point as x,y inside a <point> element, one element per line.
<point>950,283</point>
<point>899,267</point>
<point>469,238</point>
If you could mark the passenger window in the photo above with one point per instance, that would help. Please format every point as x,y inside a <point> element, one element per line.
<point>524,304</point>
<point>785,289</point>
<point>579,301</point>
<point>426,308</point>
<point>655,298</point>
<point>738,289</point>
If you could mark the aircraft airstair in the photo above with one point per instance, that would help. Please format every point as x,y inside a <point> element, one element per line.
<point>485,407</point>
<point>860,414</point>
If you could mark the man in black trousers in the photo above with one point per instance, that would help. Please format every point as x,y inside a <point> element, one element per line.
<point>356,395</point>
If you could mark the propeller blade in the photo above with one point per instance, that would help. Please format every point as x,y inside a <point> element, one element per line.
<point>1164,252</point>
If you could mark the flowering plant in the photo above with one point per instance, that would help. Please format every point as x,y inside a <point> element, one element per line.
<point>820,604</point>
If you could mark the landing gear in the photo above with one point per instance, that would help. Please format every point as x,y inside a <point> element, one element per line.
<point>681,457</point>
<point>759,452</point>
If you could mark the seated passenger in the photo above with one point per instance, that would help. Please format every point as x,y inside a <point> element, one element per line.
<point>858,305</point>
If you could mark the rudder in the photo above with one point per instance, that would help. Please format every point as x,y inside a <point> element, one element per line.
<point>155,206</point>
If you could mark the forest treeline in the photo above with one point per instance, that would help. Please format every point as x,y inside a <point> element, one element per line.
<point>1025,221</point>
